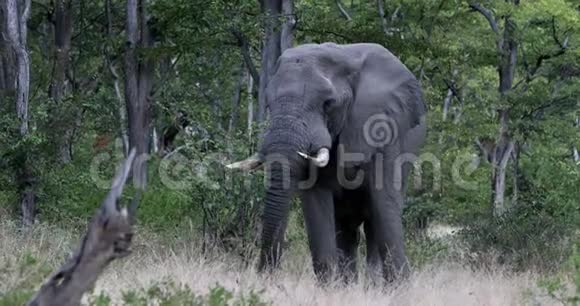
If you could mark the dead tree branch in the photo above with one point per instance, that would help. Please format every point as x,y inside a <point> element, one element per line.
<point>244,46</point>
<point>108,237</point>
<point>343,12</point>
<point>562,47</point>
<point>386,21</point>
<point>489,16</point>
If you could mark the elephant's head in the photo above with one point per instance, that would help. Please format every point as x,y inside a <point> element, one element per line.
<point>313,105</point>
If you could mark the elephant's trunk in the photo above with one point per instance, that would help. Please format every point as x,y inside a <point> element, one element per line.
<point>275,216</point>
<point>285,137</point>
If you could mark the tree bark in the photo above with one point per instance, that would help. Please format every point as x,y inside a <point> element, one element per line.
<point>516,173</point>
<point>250,106</point>
<point>138,79</point>
<point>216,106</point>
<point>499,177</point>
<point>575,152</point>
<point>287,36</point>
<point>6,87</point>
<point>16,14</point>
<point>384,21</point>
<point>236,99</point>
<point>270,50</point>
<point>108,237</point>
<point>507,50</point>
<point>62,41</point>
<point>506,67</point>
<point>121,107</point>
<point>62,120</point>
<point>245,49</point>
<point>502,153</point>
<point>342,11</point>
<point>447,104</point>
<point>451,92</point>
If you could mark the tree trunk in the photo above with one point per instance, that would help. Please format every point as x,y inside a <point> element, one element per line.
<point>3,80</point>
<point>287,37</point>
<point>62,41</point>
<point>507,50</point>
<point>62,121</point>
<point>575,153</point>
<point>447,104</point>
<point>501,156</point>
<point>7,60</point>
<point>506,67</point>
<point>250,105</point>
<point>138,80</point>
<point>121,107</point>
<point>516,173</point>
<point>216,106</point>
<point>270,51</point>
<point>384,21</point>
<point>15,31</point>
<point>499,176</point>
<point>236,99</point>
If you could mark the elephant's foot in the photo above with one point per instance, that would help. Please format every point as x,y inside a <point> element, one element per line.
<point>323,271</point>
<point>396,270</point>
<point>347,272</point>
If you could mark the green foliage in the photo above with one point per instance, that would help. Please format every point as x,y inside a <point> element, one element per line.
<point>522,239</point>
<point>198,60</point>
<point>423,251</point>
<point>558,287</point>
<point>24,276</point>
<point>28,272</point>
<point>171,294</point>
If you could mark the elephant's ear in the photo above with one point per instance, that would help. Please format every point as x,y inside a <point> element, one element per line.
<point>387,103</point>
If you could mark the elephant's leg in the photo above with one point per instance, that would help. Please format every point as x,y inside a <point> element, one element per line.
<point>385,215</point>
<point>347,239</point>
<point>318,208</point>
<point>374,262</point>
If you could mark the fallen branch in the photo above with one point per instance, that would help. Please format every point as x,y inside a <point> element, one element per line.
<point>108,237</point>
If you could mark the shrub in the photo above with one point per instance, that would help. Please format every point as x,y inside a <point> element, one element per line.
<point>557,287</point>
<point>523,238</point>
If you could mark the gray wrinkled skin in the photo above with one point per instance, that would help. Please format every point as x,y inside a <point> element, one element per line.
<point>321,96</point>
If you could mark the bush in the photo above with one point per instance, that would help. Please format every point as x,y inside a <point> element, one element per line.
<point>25,276</point>
<point>523,238</point>
<point>557,288</point>
<point>171,294</point>
<point>29,273</point>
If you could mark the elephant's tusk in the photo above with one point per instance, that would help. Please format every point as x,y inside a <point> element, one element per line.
<point>247,164</point>
<point>320,160</point>
<point>306,156</point>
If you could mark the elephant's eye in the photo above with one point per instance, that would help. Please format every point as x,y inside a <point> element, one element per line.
<point>328,104</point>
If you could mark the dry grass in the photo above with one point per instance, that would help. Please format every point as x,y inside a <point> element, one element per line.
<point>443,284</point>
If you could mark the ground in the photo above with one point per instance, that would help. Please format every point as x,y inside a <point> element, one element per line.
<point>444,283</point>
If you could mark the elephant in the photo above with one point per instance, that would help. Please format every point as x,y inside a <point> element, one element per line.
<point>345,124</point>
